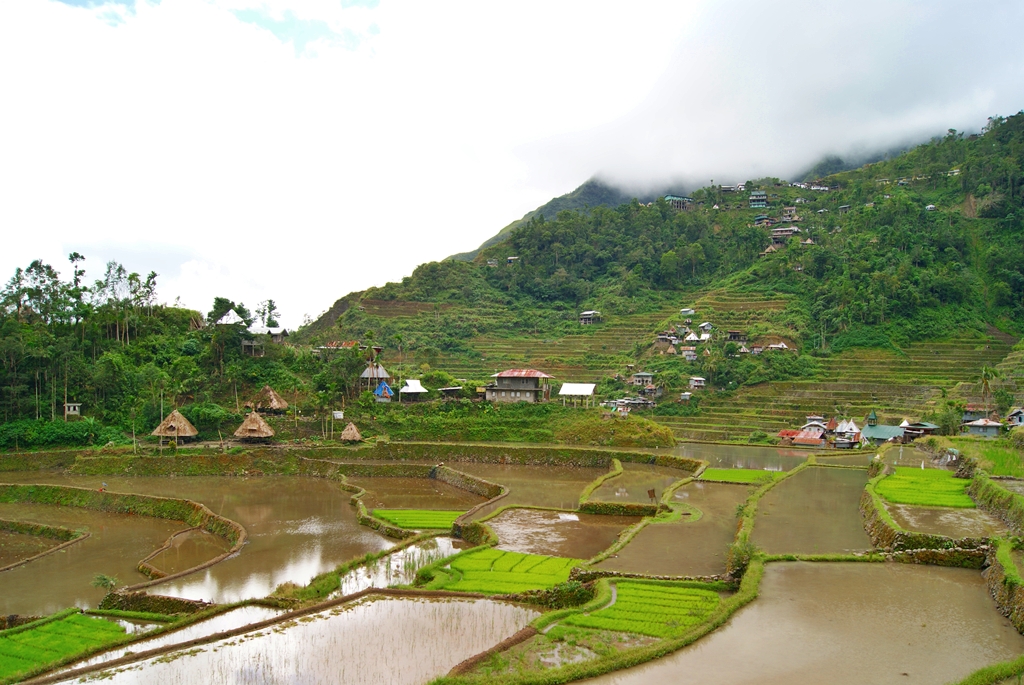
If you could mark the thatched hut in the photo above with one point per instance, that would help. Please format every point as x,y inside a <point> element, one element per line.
<point>254,428</point>
<point>175,427</point>
<point>267,400</point>
<point>351,433</point>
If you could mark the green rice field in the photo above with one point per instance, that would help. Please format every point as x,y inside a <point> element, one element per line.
<point>656,610</point>
<point>739,475</point>
<point>418,518</point>
<point>925,487</point>
<point>493,571</point>
<point>28,649</point>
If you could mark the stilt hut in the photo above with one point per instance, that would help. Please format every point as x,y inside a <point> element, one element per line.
<point>351,433</point>
<point>254,428</point>
<point>175,427</point>
<point>268,401</point>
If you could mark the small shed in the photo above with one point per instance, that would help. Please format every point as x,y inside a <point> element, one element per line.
<point>452,392</point>
<point>697,382</point>
<point>72,409</point>
<point>351,433</point>
<point>589,317</point>
<point>576,392</point>
<point>254,428</point>
<point>986,428</point>
<point>374,374</point>
<point>685,396</point>
<point>267,400</point>
<point>413,390</point>
<point>687,311</point>
<point>175,427</point>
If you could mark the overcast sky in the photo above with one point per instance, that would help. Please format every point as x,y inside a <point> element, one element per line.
<point>301,149</point>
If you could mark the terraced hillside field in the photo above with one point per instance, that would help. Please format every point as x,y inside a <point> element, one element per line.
<point>896,385</point>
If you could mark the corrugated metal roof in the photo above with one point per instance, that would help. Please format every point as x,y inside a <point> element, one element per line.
<point>521,373</point>
<point>577,389</point>
<point>413,386</point>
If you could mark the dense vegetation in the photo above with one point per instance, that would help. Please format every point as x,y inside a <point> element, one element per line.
<point>912,248</point>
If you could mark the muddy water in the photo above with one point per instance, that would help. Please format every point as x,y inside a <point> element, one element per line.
<point>685,547</point>
<point>383,641</point>
<point>1013,485</point>
<point>17,546</point>
<point>633,484</point>
<point>229,620</point>
<point>540,486</point>
<point>298,527</point>
<point>116,544</point>
<point>188,550</point>
<point>414,493</point>
<point>560,534</point>
<point>399,567</point>
<point>846,624</point>
<point>743,457</point>
<point>954,523</point>
<point>817,511</point>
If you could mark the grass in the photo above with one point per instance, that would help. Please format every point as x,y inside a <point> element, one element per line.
<point>417,519</point>
<point>998,457</point>
<point>493,571</point>
<point>925,487</point>
<point>22,651</point>
<point>661,611</point>
<point>751,476</point>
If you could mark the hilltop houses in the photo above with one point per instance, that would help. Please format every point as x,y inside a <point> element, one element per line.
<point>589,317</point>
<point>758,199</point>
<point>518,385</point>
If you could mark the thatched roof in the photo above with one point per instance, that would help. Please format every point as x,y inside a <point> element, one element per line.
<point>267,399</point>
<point>175,426</point>
<point>254,427</point>
<point>351,433</point>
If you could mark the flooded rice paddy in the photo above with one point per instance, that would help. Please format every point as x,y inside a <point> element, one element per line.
<point>414,493</point>
<point>15,547</point>
<point>378,641</point>
<point>188,550</point>
<point>842,624</point>
<point>633,484</point>
<point>816,511</point>
<point>298,527</point>
<point>742,456</point>
<point>559,534</point>
<point>685,547</point>
<point>538,486</point>
<point>399,567</point>
<point>954,523</point>
<point>229,620</point>
<point>116,544</point>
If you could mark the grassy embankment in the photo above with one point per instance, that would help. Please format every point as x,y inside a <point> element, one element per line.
<point>744,476</point>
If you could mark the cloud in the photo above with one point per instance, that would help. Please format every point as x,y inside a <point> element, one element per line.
<point>300,149</point>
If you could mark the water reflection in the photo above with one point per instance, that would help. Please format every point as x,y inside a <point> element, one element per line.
<point>399,567</point>
<point>742,456</point>
<point>380,641</point>
<point>552,533</point>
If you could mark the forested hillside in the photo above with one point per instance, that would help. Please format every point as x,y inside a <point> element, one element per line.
<point>912,266</point>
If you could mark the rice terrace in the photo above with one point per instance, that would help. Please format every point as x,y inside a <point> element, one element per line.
<point>762,432</point>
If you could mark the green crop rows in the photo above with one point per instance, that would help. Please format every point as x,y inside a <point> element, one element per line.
<point>418,518</point>
<point>25,650</point>
<point>656,610</point>
<point>739,475</point>
<point>493,571</point>
<point>925,487</point>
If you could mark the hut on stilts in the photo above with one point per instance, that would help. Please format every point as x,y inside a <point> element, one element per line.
<point>175,427</point>
<point>267,401</point>
<point>351,433</point>
<point>254,429</point>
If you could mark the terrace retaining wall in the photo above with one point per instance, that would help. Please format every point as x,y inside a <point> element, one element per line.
<point>155,604</point>
<point>993,498</point>
<point>1005,584</point>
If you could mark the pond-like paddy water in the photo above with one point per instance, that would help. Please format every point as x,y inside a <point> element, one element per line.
<point>414,493</point>
<point>559,534</point>
<point>15,547</point>
<point>298,527</point>
<point>954,523</point>
<point>845,624</point>
<point>742,456</point>
<point>380,641</point>
<point>685,547</point>
<point>539,486</point>
<point>116,544</point>
<point>816,511</point>
<point>633,484</point>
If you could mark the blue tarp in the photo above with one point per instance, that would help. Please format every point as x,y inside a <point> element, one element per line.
<point>384,390</point>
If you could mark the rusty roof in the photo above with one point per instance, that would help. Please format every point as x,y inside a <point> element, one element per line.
<point>521,373</point>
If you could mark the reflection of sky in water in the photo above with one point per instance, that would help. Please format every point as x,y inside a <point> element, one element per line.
<point>376,642</point>
<point>398,568</point>
<point>742,456</point>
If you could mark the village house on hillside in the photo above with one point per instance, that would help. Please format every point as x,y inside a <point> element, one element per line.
<point>589,317</point>
<point>518,385</point>
<point>985,428</point>
<point>175,427</point>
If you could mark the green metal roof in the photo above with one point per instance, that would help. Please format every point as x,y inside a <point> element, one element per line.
<point>881,432</point>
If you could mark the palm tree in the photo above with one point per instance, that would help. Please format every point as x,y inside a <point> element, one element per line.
<point>988,374</point>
